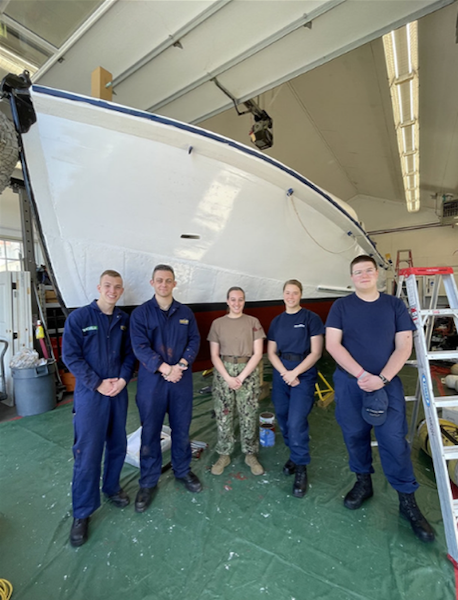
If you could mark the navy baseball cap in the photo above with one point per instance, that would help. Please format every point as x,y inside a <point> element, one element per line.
<point>375,405</point>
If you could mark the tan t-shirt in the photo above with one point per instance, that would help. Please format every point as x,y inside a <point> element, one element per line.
<point>236,336</point>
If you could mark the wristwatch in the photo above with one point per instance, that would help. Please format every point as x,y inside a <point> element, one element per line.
<point>384,379</point>
<point>182,365</point>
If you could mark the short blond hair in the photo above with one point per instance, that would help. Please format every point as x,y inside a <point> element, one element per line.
<point>110,273</point>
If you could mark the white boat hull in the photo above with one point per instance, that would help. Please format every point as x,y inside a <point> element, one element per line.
<point>118,188</point>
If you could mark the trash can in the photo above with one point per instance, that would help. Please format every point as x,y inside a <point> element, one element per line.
<point>34,389</point>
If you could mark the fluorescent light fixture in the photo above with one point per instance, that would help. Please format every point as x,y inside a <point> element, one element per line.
<point>12,63</point>
<point>401,56</point>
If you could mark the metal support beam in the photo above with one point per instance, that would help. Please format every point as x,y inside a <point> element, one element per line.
<point>28,243</point>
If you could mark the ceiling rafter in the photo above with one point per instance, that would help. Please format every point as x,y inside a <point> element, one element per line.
<point>171,41</point>
<point>275,37</point>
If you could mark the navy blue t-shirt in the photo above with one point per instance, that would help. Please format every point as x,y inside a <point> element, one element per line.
<point>369,328</point>
<point>292,332</point>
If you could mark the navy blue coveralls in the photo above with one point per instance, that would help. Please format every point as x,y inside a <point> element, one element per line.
<point>164,336</point>
<point>368,333</point>
<point>95,347</point>
<point>292,333</point>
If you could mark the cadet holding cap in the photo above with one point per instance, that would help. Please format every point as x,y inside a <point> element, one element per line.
<point>375,406</point>
<point>369,335</point>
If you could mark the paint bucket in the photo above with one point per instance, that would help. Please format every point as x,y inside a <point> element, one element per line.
<point>267,429</point>
<point>449,432</point>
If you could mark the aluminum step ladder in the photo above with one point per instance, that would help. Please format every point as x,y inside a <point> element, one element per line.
<point>424,320</point>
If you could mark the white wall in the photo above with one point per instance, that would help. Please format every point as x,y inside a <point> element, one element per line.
<point>378,214</point>
<point>10,215</point>
<point>297,141</point>
<point>431,247</point>
<point>436,247</point>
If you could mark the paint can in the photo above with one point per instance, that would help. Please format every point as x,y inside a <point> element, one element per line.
<point>267,429</point>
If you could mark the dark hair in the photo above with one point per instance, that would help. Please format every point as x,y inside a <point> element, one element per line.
<point>235,288</point>
<point>163,268</point>
<point>360,259</point>
<point>110,273</point>
<point>295,282</point>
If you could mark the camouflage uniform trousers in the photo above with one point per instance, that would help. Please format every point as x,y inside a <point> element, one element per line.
<point>246,401</point>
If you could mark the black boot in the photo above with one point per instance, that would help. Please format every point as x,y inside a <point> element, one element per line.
<point>120,499</point>
<point>191,482</point>
<point>144,498</point>
<point>289,468</point>
<point>79,532</point>
<point>409,510</point>
<point>362,490</point>
<point>300,481</point>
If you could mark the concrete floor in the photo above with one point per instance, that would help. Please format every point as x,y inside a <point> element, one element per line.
<point>7,412</point>
<point>242,537</point>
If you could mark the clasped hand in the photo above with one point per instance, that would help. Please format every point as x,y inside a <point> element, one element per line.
<point>370,383</point>
<point>290,378</point>
<point>175,374</point>
<point>234,383</point>
<point>111,387</point>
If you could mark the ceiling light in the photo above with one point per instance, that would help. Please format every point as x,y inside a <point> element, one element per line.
<point>12,63</point>
<point>401,55</point>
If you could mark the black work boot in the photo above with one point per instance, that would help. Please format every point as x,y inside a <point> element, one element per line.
<point>289,468</point>
<point>120,499</point>
<point>409,510</point>
<point>362,490</point>
<point>144,498</point>
<point>79,532</point>
<point>300,481</point>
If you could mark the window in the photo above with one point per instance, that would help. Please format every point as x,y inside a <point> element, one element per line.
<point>10,255</point>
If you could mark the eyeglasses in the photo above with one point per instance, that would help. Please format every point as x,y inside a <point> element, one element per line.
<point>370,271</point>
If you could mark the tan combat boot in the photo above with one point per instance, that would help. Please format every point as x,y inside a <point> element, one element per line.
<point>221,464</point>
<point>252,461</point>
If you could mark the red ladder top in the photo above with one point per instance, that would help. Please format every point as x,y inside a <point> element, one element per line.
<point>426,271</point>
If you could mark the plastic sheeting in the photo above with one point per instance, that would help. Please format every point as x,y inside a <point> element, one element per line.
<point>242,538</point>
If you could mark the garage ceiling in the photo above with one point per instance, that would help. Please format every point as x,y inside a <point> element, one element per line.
<point>317,67</point>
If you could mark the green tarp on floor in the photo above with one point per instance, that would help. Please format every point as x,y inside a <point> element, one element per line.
<point>242,538</point>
